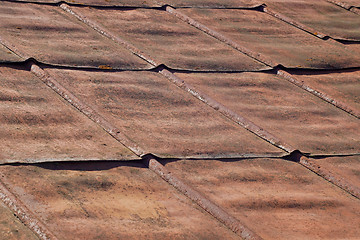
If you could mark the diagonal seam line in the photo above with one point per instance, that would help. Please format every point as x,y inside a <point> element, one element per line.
<point>229,221</point>
<point>257,56</point>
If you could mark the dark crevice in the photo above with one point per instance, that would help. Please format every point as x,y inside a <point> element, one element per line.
<point>348,42</point>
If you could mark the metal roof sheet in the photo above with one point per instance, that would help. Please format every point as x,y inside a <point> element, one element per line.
<point>37,125</point>
<point>322,16</point>
<point>275,198</point>
<point>344,86</point>
<point>352,3</point>
<point>109,201</point>
<point>7,56</point>
<point>170,41</point>
<point>212,3</point>
<point>285,110</point>
<point>280,42</point>
<point>50,36</point>
<point>158,116</point>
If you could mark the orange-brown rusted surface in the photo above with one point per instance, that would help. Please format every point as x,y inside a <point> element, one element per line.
<point>161,118</point>
<point>285,110</point>
<point>278,41</point>
<point>38,125</point>
<point>321,16</point>
<point>170,41</point>
<point>343,86</point>
<point>348,3</point>
<point>11,228</point>
<point>109,201</point>
<point>346,167</point>
<point>212,3</point>
<point>7,56</point>
<point>275,198</point>
<point>56,38</point>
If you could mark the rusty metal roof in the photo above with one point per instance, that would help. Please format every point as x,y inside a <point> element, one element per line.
<point>186,119</point>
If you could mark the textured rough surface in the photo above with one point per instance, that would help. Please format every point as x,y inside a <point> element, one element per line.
<point>170,41</point>
<point>11,228</point>
<point>275,198</point>
<point>50,36</point>
<point>37,125</point>
<point>343,86</point>
<point>285,110</point>
<point>109,201</point>
<point>212,3</point>
<point>322,16</point>
<point>159,117</point>
<point>6,56</point>
<point>278,41</point>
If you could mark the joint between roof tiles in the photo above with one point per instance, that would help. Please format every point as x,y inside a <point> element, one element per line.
<point>287,76</point>
<point>85,109</point>
<point>23,213</point>
<point>224,217</point>
<point>107,34</point>
<point>256,56</point>
<point>334,179</point>
<point>13,49</point>
<point>243,122</point>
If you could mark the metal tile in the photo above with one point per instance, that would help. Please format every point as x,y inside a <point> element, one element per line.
<point>283,109</point>
<point>109,201</point>
<point>159,117</point>
<point>347,167</point>
<point>279,41</point>
<point>322,16</point>
<point>11,228</point>
<point>275,198</point>
<point>212,3</point>
<point>170,41</point>
<point>105,3</point>
<point>351,3</point>
<point>50,36</point>
<point>6,56</point>
<point>37,125</point>
<point>343,86</point>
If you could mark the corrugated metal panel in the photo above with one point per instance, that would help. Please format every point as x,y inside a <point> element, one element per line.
<point>105,3</point>
<point>275,198</point>
<point>37,125</point>
<point>47,34</point>
<point>346,167</point>
<point>11,228</point>
<point>279,41</point>
<point>296,116</point>
<point>109,201</point>
<point>343,86</point>
<point>322,16</point>
<point>212,3</point>
<point>160,117</point>
<point>352,3</point>
<point>7,56</point>
<point>171,41</point>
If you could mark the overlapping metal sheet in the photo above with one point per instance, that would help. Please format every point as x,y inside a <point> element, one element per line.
<point>321,16</point>
<point>38,125</point>
<point>278,41</point>
<point>285,110</point>
<point>50,36</point>
<point>212,3</point>
<point>159,117</point>
<point>170,41</point>
<point>275,198</point>
<point>6,56</point>
<point>109,201</point>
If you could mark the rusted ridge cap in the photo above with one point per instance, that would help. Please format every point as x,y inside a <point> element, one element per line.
<point>287,76</point>
<point>95,3</point>
<point>245,123</point>
<point>23,213</point>
<point>89,112</point>
<point>344,4</point>
<point>221,215</point>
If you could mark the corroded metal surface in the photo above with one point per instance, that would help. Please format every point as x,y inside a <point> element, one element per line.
<point>109,201</point>
<point>346,3</point>
<point>37,125</point>
<point>161,118</point>
<point>54,37</point>
<point>11,228</point>
<point>321,16</point>
<point>344,86</point>
<point>7,56</point>
<point>212,3</point>
<point>170,41</point>
<point>275,198</point>
<point>278,41</point>
<point>296,116</point>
